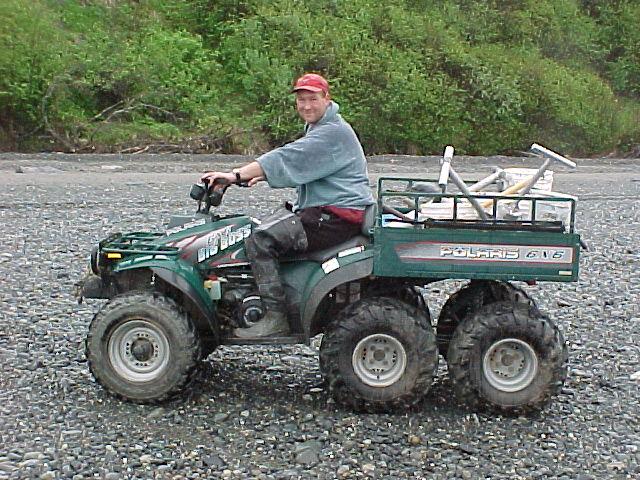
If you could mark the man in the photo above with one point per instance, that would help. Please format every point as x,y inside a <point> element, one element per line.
<point>328,168</point>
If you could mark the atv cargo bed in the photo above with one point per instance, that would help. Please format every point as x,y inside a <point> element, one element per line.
<point>525,248</point>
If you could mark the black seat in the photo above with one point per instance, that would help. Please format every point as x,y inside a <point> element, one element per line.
<point>325,254</point>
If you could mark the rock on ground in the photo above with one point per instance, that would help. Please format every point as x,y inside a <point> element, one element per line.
<point>259,412</point>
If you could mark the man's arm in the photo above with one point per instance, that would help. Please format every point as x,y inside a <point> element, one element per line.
<point>251,173</point>
<point>312,157</point>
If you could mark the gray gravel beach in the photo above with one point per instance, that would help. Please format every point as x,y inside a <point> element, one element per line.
<point>263,412</point>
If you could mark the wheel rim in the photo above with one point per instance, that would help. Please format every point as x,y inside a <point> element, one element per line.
<point>139,350</point>
<point>510,365</point>
<point>379,360</point>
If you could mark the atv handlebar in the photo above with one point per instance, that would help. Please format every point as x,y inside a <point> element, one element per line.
<point>211,193</point>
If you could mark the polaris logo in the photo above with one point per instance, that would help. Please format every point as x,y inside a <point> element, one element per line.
<point>479,252</point>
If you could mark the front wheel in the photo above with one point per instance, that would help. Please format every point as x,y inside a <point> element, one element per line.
<point>380,354</point>
<point>142,347</point>
<point>507,356</point>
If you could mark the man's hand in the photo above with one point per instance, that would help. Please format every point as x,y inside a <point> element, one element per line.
<point>211,177</point>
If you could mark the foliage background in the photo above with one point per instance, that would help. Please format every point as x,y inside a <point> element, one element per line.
<point>410,75</point>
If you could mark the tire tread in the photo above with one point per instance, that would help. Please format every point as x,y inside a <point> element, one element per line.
<point>188,355</point>
<point>352,320</point>
<point>505,317</point>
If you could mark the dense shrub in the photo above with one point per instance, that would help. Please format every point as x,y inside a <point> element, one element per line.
<point>410,75</point>
<point>32,49</point>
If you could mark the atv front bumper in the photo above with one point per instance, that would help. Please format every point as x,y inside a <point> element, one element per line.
<point>92,286</point>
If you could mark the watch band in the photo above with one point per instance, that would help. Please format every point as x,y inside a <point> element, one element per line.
<point>236,171</point>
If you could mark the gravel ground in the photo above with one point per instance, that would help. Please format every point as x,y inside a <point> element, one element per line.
<point>262,412</point>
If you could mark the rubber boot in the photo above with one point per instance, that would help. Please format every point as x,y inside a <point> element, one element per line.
<point>274,300</point>
<point>274,323</point>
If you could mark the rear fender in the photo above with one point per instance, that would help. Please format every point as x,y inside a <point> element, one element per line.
<point>332,273</point>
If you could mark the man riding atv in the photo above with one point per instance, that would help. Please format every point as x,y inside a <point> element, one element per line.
<point>328,168</point>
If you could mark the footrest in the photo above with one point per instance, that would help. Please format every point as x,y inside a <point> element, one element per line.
<point>288,340</point>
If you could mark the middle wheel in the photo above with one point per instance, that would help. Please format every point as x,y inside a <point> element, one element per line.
<point>379,354</point>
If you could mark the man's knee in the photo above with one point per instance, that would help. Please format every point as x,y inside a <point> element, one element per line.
<point>252,246</point>
<point>282,231</point>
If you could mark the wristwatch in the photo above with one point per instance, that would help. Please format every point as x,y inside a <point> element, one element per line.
<point>236,172</point>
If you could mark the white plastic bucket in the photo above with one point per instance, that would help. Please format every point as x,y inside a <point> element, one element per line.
<point>546,210</point>
<point>444,210</point>
<point>553,211</point>
<point>516,175</point>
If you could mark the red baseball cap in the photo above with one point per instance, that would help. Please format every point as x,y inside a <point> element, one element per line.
<point>311,82</point>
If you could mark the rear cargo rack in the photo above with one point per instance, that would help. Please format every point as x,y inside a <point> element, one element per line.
<point>540,225</point>
<point>137,243</point>
<point>495,207</point>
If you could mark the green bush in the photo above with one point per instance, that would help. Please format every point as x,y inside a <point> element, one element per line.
<point>621,37</point>
<point>32,50</point>
<point>572,111</point>
<point>410,75</point>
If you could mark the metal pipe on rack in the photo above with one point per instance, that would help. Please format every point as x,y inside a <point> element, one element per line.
<point>499,173</point>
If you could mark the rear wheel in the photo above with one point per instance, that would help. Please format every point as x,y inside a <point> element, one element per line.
<point>507,356</point>
<point>469,300</point>
<point>380,354</point>
<point>142,347</point>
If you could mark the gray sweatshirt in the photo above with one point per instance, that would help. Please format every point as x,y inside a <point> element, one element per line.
<point>327,165</point>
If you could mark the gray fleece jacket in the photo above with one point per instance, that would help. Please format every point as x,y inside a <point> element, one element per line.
<point>327,165</point>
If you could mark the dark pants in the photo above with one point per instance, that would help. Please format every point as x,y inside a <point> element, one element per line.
<point>283,233</point>
<point>324,229</point>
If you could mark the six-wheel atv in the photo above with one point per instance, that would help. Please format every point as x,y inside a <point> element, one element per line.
<point>174,296</point>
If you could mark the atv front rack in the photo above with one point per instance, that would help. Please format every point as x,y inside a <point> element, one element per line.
<point>137,243</point>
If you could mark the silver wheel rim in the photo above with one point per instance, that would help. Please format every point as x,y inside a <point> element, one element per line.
<point>139,351</point>
<point>379,360</point>
<point>510,365</point>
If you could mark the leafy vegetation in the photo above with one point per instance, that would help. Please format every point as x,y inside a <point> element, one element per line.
<point>410,75</point>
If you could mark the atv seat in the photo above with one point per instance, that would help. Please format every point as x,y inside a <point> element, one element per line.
<point>325,254</point>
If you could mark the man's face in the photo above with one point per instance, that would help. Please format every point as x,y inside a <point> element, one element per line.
<point>311,105</point>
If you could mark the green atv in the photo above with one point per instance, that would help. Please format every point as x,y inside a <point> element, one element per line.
<point>175,296</point>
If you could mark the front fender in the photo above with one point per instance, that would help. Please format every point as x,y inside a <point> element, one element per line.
<point>183,277</point>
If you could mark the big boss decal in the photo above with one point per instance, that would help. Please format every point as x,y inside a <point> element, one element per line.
<point>221,240</point>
